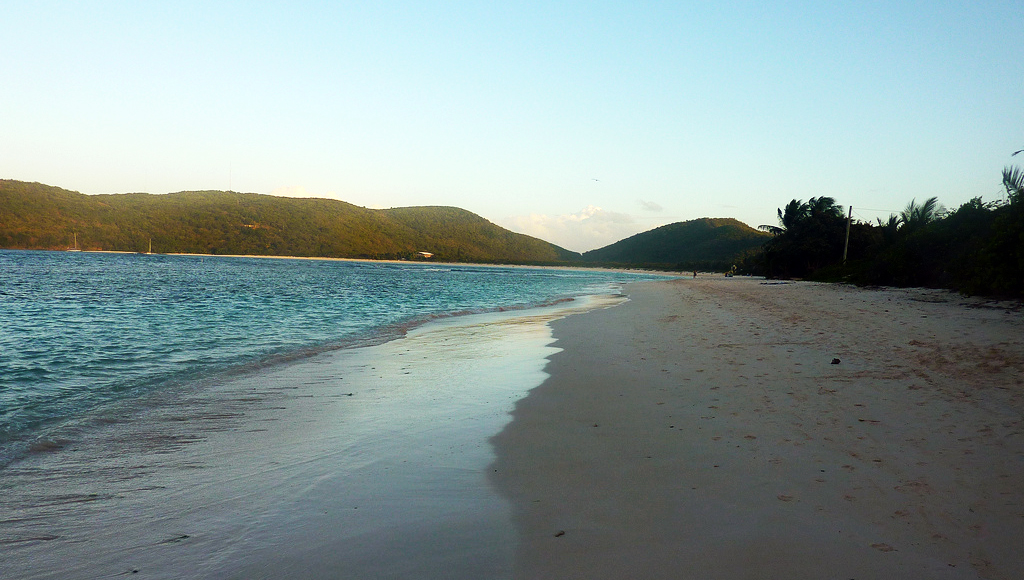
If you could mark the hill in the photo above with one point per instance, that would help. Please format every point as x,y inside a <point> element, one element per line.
<point>37,216</point>
<point>711,243</point>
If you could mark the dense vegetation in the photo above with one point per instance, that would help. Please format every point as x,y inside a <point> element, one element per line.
<point>977,248</point>
<point>36,216</point>
<point>704,244</point>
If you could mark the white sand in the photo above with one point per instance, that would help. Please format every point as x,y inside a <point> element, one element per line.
<point>700,431</point>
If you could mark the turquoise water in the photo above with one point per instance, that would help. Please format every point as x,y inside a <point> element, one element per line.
<point>80,330</point>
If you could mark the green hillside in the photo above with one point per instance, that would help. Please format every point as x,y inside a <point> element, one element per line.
<point>711,243</point>
<point>37,216</point>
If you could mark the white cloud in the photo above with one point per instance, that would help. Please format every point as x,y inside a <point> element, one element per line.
<point>650,206</point>
<point>588,229</point>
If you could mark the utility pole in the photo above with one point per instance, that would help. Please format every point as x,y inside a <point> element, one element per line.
<point>846,246</point>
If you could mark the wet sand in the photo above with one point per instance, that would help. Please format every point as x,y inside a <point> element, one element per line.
<point>702,431</point>
<point>361,463</point>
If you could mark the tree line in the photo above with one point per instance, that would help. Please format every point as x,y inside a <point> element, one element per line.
<point>977,248</point>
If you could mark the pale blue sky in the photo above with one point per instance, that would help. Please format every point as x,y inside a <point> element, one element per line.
<point>533,115</point>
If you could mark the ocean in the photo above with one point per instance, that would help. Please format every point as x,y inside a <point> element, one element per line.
<point>82,331</point>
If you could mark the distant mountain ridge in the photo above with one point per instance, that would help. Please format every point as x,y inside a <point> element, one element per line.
<point>705,243</point>
<point>37,216</point>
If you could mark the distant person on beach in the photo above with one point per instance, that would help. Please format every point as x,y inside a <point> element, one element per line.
<point>694,273</point>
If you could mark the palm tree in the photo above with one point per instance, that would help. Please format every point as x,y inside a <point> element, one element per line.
<point>820,207</point>
<point>915,216</point>
<point>808,237</point>
<point>796,211</point>
<point>1013,181</point>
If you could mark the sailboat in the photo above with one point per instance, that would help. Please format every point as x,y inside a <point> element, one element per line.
<point>75,247</point>
<point>150,250</point>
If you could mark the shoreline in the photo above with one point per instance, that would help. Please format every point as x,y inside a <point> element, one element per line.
<point>701,430</point>
<point>364,462</point>
<point>47,432</point>
<point>572,267</point>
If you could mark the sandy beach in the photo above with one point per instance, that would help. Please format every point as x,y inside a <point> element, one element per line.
<point>717,428</point>
<point>734,429</point>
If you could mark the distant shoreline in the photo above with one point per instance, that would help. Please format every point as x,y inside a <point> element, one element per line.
<point>574,267</point>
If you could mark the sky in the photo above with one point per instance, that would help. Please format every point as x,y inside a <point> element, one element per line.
<point>581,123</point>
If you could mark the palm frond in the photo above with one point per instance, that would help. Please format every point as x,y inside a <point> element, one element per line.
<point>824,205</point>
<point>929,207</point>
<point>909,213</point>
<point>1013,181</point>
<point>893,222</point>
<point>916,215</point>
<point>794,213</point>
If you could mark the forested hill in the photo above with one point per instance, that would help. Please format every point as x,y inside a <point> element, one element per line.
<point>37,216</point>
<point>706,243</point>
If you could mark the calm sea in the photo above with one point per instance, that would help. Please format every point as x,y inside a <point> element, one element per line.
<point>82,330</point>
